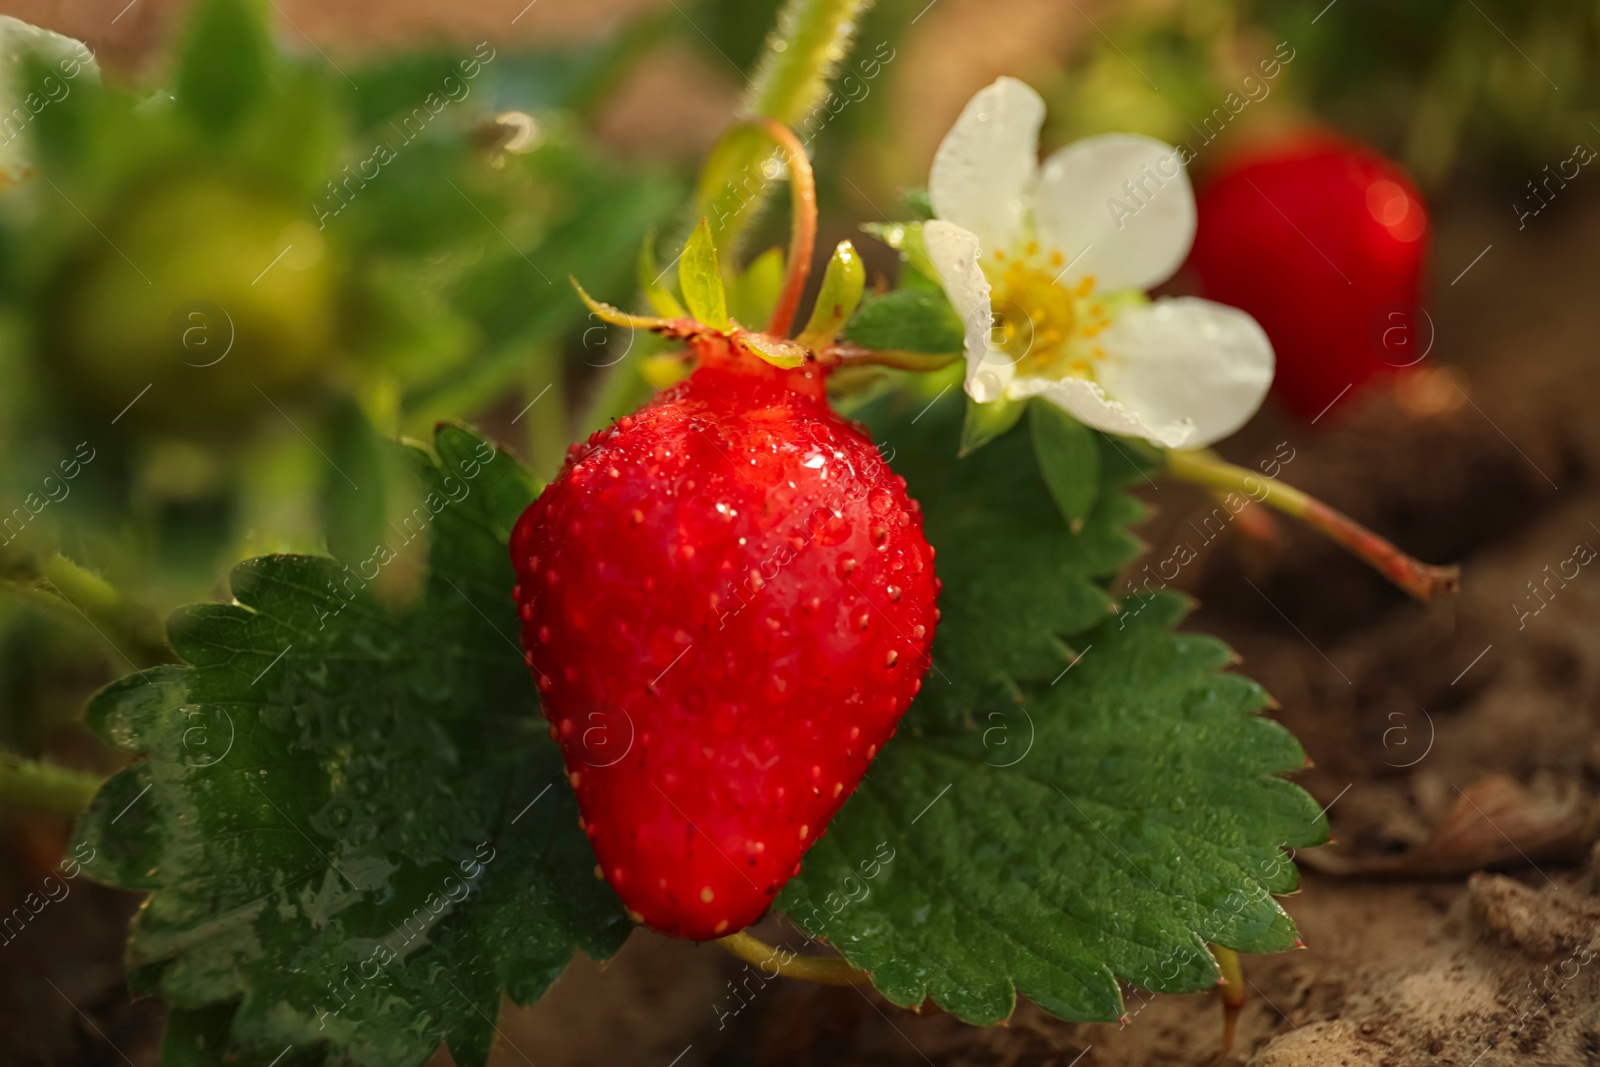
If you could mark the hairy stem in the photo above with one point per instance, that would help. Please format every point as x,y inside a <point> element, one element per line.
<point>823,970</point>
<point>44,786</point>
<point>800,57</point>
<point>801,54</point>
<point>78,595</point>
<point>1422,580</point>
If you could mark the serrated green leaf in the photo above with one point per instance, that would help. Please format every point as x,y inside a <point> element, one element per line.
<point>1068,459</point>
<point>226,62</point>
<point>1016,577</point>
<point>348,814</point>
<point>1076,796</point>
<point>907,320</point>
<point>200,1039</point>
<point>701,281</point>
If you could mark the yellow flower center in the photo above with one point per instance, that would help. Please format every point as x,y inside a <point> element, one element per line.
<point>1042,324</point>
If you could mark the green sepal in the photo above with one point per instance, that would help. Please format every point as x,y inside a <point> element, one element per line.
<point>778,351</point>
<point>985,422</point>
<point>700,281</point>
<point>841,290</point>
<point>1069,459</point>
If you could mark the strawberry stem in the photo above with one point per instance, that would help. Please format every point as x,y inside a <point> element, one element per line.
<point>803,228</point>
<point>849,355</point>
<point>1232,990</point>
<point>79,595</point>
<point>823,970</point>
<point>801,55</point>
<point>1422,580</point>
<point>45,787</point>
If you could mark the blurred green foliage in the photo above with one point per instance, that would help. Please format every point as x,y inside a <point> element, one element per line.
<point>217,298</point>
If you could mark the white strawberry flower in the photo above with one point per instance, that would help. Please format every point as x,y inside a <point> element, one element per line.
<point>1047,266</point>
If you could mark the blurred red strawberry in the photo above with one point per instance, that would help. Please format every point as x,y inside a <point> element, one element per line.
<point>1322,241</point>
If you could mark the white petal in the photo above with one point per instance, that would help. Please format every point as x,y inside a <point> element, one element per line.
<point>983,173</point>
<point>1088,403</point>
<point>1119,206</point>
<point>1186,358</point>
<point>954,254</point>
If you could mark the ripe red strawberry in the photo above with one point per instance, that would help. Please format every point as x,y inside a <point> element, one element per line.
<point>1322,242</point>
<point>728,601</point>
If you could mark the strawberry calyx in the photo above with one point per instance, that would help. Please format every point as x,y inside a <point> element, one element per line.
<point>714,338</point>
<point>731,346</point>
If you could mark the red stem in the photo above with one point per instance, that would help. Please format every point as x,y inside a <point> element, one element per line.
<point>803,232</point>
<point>1422,580</point>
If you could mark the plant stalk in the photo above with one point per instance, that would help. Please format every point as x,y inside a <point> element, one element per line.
<point>78,595</point>
<point>1232,990</point>
<point>801,55</point>
<point>45,786</point>
<point>823,970</point>
<point>803,228</point>
<point>849,355</point>
<point>1424,581</point>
